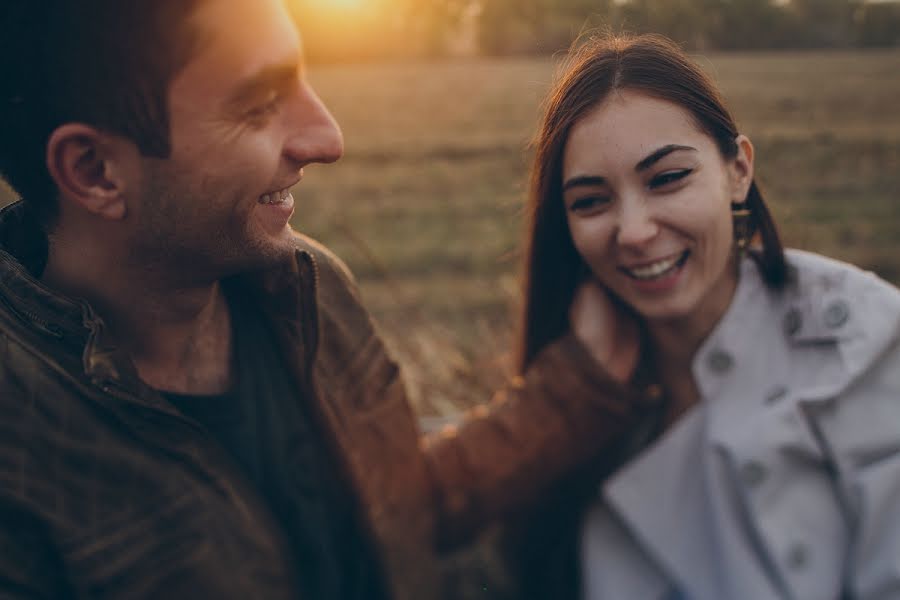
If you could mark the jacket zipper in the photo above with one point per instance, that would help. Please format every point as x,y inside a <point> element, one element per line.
<point>340,458</point>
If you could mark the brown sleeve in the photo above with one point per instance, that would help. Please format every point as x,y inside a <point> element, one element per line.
<point>565,412</point>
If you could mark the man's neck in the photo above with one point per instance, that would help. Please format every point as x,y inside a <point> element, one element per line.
<point>178,335</point>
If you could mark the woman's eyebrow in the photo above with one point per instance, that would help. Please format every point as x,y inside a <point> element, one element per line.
<point>658,155</point>
<point>583,180</point>
<point>646,163</point>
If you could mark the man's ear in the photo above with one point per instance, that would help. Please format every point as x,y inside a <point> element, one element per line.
<point>89,168</point>
<point>742,169</point>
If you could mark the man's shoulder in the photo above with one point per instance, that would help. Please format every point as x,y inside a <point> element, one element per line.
<point>31,396</point>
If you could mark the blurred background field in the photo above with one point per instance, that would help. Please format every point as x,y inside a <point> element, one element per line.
<point>425,206</point>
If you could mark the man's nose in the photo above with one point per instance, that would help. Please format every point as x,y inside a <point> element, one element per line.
<point>637,225</point>
<point>313,136</point>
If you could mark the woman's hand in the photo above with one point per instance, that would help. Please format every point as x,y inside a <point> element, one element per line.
<point>609,333</point>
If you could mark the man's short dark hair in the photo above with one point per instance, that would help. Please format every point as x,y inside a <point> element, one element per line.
<point>105,63</point>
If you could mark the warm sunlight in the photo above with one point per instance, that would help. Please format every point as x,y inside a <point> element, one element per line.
<point>340,4</point>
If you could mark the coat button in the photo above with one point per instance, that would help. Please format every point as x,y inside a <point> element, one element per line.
<point>797,556</point>
<point>776,393</point>
<point>793,322</point>
<point>836,314</point>
<point>720,361</point>
<point>753,473</point>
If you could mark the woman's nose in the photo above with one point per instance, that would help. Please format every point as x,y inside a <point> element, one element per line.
<point>636,225</point>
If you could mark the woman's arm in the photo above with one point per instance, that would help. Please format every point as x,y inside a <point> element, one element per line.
<point>569,408</point>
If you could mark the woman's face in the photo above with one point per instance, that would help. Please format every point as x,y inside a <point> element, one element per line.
<point>647,197</point>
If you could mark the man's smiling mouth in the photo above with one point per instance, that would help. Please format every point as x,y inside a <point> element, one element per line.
<point>657,269</point>
<point>275,197</point>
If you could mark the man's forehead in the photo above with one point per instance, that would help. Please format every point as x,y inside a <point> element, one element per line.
<point>241,40</point>
<point>255,34</point>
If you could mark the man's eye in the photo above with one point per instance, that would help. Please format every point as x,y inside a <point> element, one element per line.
<point>265,109</point>
<point>589,204</point>
<point>668,177</point>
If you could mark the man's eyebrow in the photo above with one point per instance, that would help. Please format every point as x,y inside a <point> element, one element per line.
<point>275,76</point>
<point>583,181</point>
<point>658,155</point>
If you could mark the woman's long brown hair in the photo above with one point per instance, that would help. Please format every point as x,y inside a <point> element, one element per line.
<point>650,64</point>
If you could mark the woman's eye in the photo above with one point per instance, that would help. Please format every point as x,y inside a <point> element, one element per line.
<point>668,177</point>
<point>589,204</point>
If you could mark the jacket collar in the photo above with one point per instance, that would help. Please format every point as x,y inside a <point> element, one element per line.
<point>287,295</point>
<point>23,256</point>
<point>68,327</point>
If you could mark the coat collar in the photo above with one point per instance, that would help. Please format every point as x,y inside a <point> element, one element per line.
<point>847,320</point>
<point>827,306</point>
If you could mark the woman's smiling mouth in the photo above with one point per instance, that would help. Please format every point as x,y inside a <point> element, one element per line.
<point>657,269</point>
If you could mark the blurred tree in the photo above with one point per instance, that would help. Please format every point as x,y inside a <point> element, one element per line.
<point>685,21</point>
<point>435,22</point>
<point>746,24</point>
<point>822,23</point>
<point>878,24</point>
<point>515,26</point>
<point>507,26</point>
<point>377,29</point>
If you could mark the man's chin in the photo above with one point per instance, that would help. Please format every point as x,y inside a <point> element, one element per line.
<point>259,254</point>
<point>273,251</point>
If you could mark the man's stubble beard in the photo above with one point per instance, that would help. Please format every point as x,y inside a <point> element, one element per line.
<point>176,240</point>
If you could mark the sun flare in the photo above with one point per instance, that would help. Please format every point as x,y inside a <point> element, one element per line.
<point>342,4</point>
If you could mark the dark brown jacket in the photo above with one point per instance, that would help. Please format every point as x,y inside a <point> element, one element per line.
<point>107,491</point>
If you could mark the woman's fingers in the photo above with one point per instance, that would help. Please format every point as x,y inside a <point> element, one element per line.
<point>609,333</point>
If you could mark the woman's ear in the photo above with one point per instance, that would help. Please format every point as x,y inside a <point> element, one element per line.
<point>741,169</point>
<point>88,167</point>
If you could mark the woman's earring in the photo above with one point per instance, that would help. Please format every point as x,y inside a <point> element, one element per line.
<point>743,225</point>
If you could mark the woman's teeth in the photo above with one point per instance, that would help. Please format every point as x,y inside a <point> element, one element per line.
<point>275,197</point>
<point>658,268</point>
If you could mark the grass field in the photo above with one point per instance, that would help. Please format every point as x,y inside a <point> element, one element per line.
<point>425,205</point>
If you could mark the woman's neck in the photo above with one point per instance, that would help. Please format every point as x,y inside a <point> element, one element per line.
<point>675,342</point>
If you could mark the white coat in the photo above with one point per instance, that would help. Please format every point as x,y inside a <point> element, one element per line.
<point>783,482</point>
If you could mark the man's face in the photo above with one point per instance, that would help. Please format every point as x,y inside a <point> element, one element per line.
<point>243,124</point>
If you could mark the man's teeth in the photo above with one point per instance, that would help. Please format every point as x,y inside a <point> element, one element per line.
<point>275,197</point>
<point>654,270</point>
